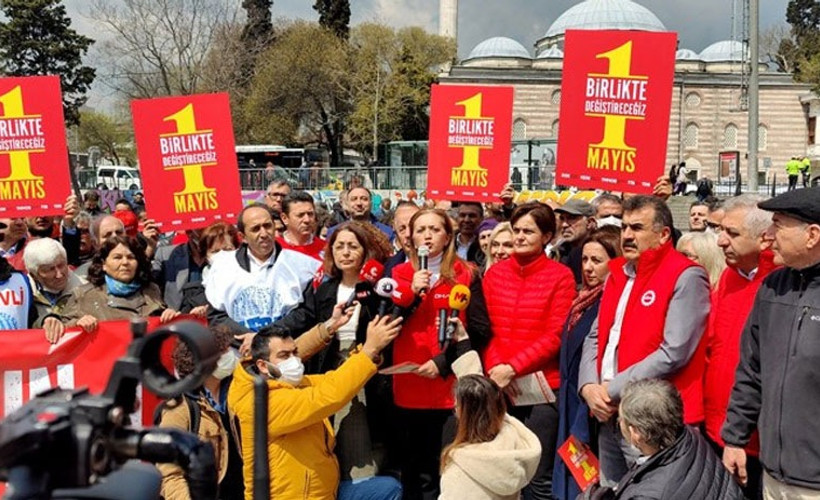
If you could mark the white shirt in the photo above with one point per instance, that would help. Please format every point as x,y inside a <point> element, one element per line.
<point>348,331</point>
<point>750,276</point>
<point>609,364</point>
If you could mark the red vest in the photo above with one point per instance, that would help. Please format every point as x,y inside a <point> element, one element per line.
<point>645,317</point>
<point>731,304</point>
<point>418,343</point>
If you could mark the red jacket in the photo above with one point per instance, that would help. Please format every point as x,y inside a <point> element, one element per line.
<point>528,306</point>
<point>644,320</point>
<point>731,304</point>
<point>418,342</point>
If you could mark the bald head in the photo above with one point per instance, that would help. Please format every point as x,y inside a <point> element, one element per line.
<point>105,227</point>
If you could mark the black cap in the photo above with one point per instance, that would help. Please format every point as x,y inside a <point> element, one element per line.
<point>803,204</point>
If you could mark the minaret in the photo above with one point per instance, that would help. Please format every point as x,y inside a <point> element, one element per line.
<point>448,19</point>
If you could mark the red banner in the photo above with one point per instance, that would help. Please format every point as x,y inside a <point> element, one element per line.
<point>580,461</point>
<point>616,93</point>
<point>470,134</point>
<point>29,364</point>
<point>34,176</point>
<point>187,160</point>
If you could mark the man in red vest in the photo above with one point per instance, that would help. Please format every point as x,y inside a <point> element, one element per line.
<point>746,248</point>
<point>653,314</point>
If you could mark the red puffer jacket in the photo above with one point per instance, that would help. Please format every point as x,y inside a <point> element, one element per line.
<point>528,306</point>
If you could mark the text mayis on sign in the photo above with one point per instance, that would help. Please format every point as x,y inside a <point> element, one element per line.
<point>470,129</point>
<point>34,176</point>
<point>615,102</point>
<point>187,160</point>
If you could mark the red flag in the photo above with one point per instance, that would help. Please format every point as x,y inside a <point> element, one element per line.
<point>187,160</point>
<point>470,134</point>
<point>34,175</point>
<point>616,93</point>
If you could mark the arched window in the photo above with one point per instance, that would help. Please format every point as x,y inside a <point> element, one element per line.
<point>730,136</point>
<point>555,128</point>
<point>690,136</point>
<point>762,137</point>
<point>519,130</point>
<point>556,98</point>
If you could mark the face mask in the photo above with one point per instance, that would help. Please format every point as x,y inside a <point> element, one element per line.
<point>609,221</point>
<point>225,364</point>
<point>292,370</point>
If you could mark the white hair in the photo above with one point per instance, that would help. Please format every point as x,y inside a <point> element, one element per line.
<point>756,219</point>
<point>42,252</point>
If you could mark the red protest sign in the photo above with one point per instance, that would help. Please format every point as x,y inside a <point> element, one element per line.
<point>187,160</point>
<point>469,147</point>
<point>580,461</point>
<point>616,93</point>
<point>34,176</point>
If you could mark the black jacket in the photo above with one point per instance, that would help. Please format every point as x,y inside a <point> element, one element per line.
<point>687,470</point>
<point>777,379</point>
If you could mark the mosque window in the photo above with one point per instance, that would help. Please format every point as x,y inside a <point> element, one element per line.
<point>692,100</point>
<point>762,137</point>
<point>519,130</point>
<point>690,136</point>
<point>555,128</point>
<point>730,136</point>
<point>556,97</point>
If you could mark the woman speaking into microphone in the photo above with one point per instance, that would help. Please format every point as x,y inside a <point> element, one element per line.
<point>528,300</point>
<point>425,397</point>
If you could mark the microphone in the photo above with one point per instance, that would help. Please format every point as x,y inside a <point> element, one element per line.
<point>361,292</point>
<point>458,301</point>
<point>385,289</point>
<point>423,252</point>
<point>371,271</point>
<point>441,301</point>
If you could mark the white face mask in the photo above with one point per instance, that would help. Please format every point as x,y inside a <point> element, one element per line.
<point>292,370</point>
<point>610,220</point>
<point>225,364</point>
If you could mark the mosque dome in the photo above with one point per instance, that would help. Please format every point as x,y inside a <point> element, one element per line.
<point>553,52</point>
<point>727,50</point>
<point>605,15</point>
<point>498,46</point>
<point>686,55</point>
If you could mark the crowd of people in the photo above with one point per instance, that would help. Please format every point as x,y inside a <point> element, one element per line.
<point>684,360</point>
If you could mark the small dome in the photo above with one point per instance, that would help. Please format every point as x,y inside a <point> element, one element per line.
<point>551,53</point>
<point>686,55</point>
<point>499,46</point>
<point>727,50</point>
<point>606,15</point>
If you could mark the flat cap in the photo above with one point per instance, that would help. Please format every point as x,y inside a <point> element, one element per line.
<point>576,206</point>
<point>803,204</point>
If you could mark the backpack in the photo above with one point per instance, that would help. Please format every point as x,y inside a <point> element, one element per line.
<point>194,411</point>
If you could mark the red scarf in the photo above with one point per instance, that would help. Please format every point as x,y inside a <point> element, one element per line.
<point>586,298</point>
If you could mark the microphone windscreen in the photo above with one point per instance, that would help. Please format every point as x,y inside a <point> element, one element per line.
<point>403,298</point>
<point>423,251</point>
<point>441,300</point>
<point>371,271</point>
<point>385,287</point>
<point>459,298</point>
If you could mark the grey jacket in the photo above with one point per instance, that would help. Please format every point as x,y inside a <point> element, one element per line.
<point>777,385</point>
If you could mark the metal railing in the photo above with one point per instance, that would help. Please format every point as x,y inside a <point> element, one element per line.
<point>338,178</point>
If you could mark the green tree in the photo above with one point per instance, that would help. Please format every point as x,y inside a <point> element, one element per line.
<point>258,26</point>
<point>801,51</point>
<point>111,136</point>
<point>335,16</point>
<point>36,38</point>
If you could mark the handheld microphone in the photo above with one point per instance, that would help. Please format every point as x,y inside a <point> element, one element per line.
<point>423,253</point>
<point>442,304</point>
<point>384,289</point>
<point>458,301</point>
<point>371,271</point>
<point>362,291</point>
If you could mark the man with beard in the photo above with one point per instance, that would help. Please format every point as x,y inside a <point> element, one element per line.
<point>358,202</point>
<point>652,316</point>
<point>577,221</point>
<point>299,216</point>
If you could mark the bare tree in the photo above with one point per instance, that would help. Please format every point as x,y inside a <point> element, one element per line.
<point>159,47</point>
<point>775,42</point>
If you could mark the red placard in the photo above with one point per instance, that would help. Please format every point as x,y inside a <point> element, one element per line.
<point>34,176</point>
<point>580,461</point>
<point>470,134</point>
<point>187,160</point>
<point>616,94</point>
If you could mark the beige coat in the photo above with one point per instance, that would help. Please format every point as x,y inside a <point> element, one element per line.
<point>95,300</point>
<point>497,469</point>
<point>44,307</point>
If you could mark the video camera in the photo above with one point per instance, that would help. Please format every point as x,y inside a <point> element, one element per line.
<point>71,444</point>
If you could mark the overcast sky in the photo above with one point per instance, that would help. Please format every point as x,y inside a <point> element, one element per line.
<point>698,22</point>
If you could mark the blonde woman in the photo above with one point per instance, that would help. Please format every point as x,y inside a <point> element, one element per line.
<point>500,246</point>
<point>702,247</point>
